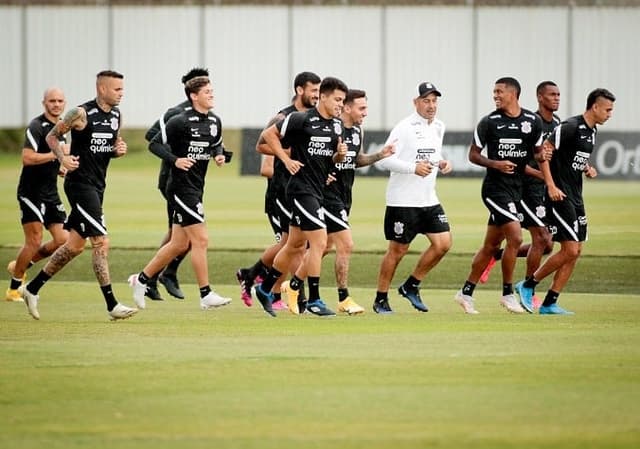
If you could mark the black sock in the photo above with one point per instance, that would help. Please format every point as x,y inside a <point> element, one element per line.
<point>343,293</point>
<point>272,276</point>
<point>302,296</point>
<point>172,269</point>
<point>411,283</point>
<point>530,282</point>
<point>498,254</point>
<point>258,269</point>
<point>295,282</point>
<point>15,283</point>
<point>382,296</point>
<point>551,298</point>
<point>507,289</point>
<point>468,288</point>
<point>143,278</point>
<point>314,287</point>
<point>204,291</point>
<point>153,280</point>
<point>36,284</point>
<point>109,297</point>
<point>277,296</point>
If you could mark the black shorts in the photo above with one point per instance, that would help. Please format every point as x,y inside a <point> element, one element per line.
<point>402,224</point>
<point>279,214</point>
<point>567,223</point>
<point>46,212</point>
<point>187,208</point>
<point>532,206</point>
<point>336,216</point>
<point>86,216</point>
<point>307,213</point>
<point>169,204</point>
<point>502,204</point>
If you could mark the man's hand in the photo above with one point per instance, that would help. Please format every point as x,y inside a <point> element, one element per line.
<point>183,163</point>
<point>507,167</point>
<point>423,168</point>
<point>120,148</point>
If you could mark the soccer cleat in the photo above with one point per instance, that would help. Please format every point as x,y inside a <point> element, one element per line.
<point>242,275</point>
<point>554,309</point>
<point>510,303</point>
<point>212,300</point>
<point>265,298</point>
<point>11,268</point>
<point>170,282</point>
<point>31,301</point>
<point>121,312</point>
<point>292,297</point>
<point>13,295</point>
<point>318,307</point>
<point>279,305</point>
<point>302,306</point>
<point>537,302</point>
<point>350,307</point>
<point>139,290</point>
<point>466,302</point>
<point>484,277</point>
<point>152,292</point>
<point>382,307</point>
<point>414,298</point>
<point>526,296</point>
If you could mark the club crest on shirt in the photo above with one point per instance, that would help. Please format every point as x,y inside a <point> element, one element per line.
<point>114,123</point>
<point>356,139</point>
<point>213,130</point>
<point>398,228</point>
<point>525,127</point>
<point>541,211</point>
<point>337,128</point>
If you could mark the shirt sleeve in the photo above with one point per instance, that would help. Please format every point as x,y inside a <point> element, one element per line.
<point>33,135</point>
<point>480,133</point>
<point>394,163</point>
<point>159,144</point>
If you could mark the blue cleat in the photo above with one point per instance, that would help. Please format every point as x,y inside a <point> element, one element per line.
<point>318,307</point>
<point>554,309</point>
<point>526,296</point>
<point>414,298</point>
<point>382,307</point>
<point>266,299</point>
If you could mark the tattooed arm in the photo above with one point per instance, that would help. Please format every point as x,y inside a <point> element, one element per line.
<point>76,118</point>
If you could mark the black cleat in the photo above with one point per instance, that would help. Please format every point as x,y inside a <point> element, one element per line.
<point>152,292</point>
<point>382,307</point>
<point>266,299</point>
<point>172,285</point>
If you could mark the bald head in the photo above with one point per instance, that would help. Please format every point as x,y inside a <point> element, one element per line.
<point>54,102</point>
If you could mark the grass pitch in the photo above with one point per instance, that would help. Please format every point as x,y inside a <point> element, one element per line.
<point>177,377</point>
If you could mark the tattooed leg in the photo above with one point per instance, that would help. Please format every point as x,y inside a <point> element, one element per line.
<point>100,247</point>
<point>64,254</point>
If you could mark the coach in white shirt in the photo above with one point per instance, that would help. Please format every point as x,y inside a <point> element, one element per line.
<point>412,203</point>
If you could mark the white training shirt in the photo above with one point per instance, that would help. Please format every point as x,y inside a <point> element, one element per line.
<point>416,140</point>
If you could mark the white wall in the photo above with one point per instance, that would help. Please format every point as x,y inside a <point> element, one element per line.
<point>254,52</point>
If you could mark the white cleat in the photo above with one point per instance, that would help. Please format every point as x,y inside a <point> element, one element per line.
<point>121,312</point>
<point>139,289</point>
<point>511,303</point>
<point>31,301</point>
<point>213,300</point>
<point>466,302</point>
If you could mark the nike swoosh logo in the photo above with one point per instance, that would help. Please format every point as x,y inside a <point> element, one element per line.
<point>501,126</point>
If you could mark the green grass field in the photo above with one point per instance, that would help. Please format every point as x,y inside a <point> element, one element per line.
<point>177,377</point>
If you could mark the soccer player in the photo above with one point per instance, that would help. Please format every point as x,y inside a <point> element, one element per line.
<point>40,204</point>
<point>315,139</point>
<point>413,206</point>
<point>193,138</point>
<point>95,140</point>
<point>512,136</point>
<point>277,207</point>
<point>169,275</point>
<point>572,143</point>
<point>338,193</point>
<point>533,191</point>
